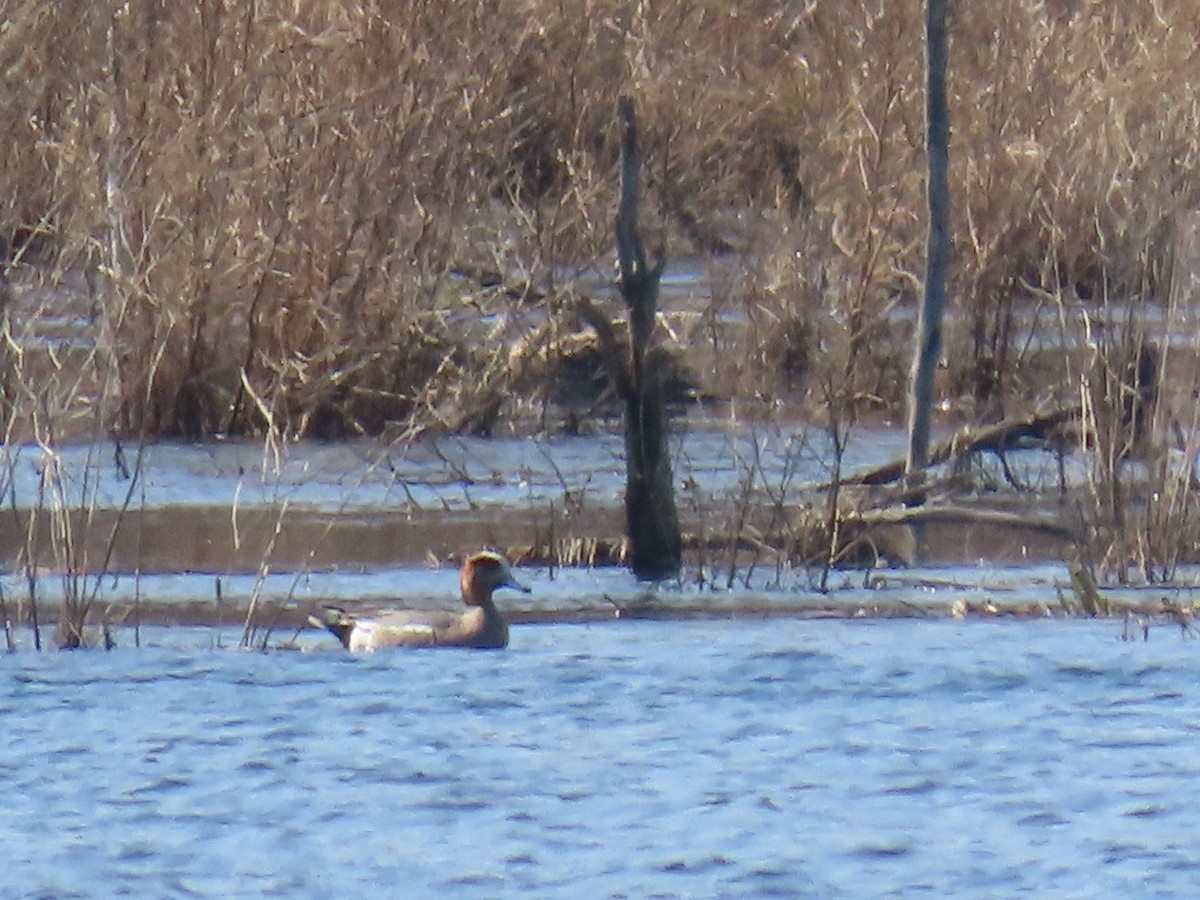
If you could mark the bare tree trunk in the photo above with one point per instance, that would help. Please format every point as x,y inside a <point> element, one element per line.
<point>651,520</point>
<point>8,360</point>
<point>929,319</point>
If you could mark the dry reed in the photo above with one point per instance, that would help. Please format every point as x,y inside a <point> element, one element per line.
<point>267,204</point>
<point>340,218</point>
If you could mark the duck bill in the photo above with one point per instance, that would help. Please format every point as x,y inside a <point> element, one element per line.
<point>511,582</point>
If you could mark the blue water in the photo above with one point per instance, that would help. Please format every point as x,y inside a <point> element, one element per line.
<point>449,474</point>
<point>632,759</point>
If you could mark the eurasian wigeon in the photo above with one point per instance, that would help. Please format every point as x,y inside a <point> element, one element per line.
<point>481,626</point>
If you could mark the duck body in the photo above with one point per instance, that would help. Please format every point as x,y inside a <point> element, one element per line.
<point>418,628</point>
<point>480,625</point>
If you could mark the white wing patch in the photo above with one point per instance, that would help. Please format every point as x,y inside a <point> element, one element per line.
<point>370,635</point>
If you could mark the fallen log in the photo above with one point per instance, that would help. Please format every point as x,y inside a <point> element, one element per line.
<point>907,515</point>
<point>995,438</point>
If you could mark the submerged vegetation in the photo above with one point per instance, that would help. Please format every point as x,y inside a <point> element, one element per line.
<point>281,220</point>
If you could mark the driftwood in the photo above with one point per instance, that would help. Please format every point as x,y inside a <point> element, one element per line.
<point>905,515</point>
<point>995,438</point>
<point>909,508</point>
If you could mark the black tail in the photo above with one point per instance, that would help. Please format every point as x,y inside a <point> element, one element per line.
<point>336,621</point>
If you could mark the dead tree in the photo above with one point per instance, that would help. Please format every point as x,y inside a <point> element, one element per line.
<point>651,520</point>
<point>929,318</point>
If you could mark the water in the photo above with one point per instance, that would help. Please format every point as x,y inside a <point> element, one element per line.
<point>632,759</point>
<point>453,474</point>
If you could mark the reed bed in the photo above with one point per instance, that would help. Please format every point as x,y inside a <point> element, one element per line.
<point>340,218</point>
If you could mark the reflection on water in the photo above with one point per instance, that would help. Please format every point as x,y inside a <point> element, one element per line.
<point>633,759</point>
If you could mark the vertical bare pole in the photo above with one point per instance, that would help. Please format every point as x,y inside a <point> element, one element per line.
<point>933,303</point>
<point>651,520</point>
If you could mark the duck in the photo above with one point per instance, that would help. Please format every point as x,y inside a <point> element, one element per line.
<point>481,626</point>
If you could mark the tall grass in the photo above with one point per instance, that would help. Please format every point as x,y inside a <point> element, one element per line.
<point>269,200</point>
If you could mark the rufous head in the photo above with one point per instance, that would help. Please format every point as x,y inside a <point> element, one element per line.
<point>483,573</point>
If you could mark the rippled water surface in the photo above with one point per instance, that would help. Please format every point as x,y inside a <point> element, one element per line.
<point>630,759</point>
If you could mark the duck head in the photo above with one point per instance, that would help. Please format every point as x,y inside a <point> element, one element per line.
<point>482,574</point>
